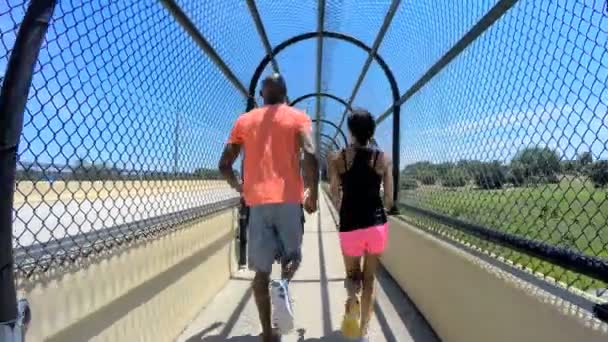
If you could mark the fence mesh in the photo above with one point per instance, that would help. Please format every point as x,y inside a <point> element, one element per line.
<point>513,135</point>
<point>124,125</point>
<point>127,116</point>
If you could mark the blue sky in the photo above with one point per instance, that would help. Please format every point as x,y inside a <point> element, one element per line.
<point>116,78</point>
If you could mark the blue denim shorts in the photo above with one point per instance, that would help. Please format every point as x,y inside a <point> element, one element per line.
<point>275,231</point>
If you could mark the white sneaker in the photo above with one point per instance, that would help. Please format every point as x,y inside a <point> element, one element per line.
<point>282,308</point>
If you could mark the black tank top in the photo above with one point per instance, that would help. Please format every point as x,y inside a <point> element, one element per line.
<point>361,202</point>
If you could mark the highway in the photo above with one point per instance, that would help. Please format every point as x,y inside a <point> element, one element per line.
<point>41,222</point>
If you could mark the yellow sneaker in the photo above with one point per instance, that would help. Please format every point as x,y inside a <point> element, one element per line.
<point>350,322</point>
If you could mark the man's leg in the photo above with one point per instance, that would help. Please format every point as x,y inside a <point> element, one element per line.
<point>289,221</point>
<point>262,300</point>
<point>262,250</point>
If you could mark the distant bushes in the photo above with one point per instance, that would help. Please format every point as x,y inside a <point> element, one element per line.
<point>408,184</point>
<point>455,178</point>
<point>598,173</point>
<point>489,176</point>
<point>535,165</point>
<point>530,166</point>
<point>428,179</point>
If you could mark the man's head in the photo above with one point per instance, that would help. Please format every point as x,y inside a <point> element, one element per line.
<point>274,90</point>
<point>361,125</point>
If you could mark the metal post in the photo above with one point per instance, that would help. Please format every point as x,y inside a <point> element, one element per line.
<point>242,235</point>
<point>396,160</point>
<point>14,316</point>
<point>176,150</point>
<point>243,209</point>
<point>320,29</point>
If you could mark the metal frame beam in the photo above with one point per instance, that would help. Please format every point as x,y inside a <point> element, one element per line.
<point>13,98</point>
<point>255,14</point>
<point>319,72</point>
<point>388,19</point>
<point>495,13</point>
<point>187,24</point>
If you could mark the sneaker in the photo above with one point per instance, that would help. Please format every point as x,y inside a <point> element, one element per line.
<point>275,337</point>
<point>282,308</point>
<point>350,323</point>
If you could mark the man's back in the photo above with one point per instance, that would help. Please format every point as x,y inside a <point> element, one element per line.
<point>269,136</point>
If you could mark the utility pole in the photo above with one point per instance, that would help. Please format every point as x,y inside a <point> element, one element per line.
<point>176,148</point>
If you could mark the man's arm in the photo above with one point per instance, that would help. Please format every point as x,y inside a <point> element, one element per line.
<point>231,152</point>
<point>311,166</point>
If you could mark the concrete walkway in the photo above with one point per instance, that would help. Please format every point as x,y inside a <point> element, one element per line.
<point>319,295</point>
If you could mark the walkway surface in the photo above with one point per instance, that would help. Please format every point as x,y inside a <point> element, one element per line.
<point>319,295</point>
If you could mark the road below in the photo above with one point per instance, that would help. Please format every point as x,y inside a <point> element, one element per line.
<point>41,222</point>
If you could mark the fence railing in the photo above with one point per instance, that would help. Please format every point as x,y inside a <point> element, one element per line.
<point>120,135</point>
<point>504,134</point>
<point>506,147</point>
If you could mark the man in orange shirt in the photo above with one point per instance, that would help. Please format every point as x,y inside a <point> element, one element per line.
<point>273,137</point>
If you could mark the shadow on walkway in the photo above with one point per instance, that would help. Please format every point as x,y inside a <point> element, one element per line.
<point>397,316</point>
<point>333,337</point>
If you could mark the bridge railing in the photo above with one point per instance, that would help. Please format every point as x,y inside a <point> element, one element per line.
<point>505,143</point>
<point>122,130</point>
<point>122,109</point>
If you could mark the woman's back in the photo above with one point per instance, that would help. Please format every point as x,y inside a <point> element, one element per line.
<point>361,179</point>
<point>356,175</point>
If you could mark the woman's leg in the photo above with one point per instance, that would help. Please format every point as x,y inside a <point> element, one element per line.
<point>370,264</point>
<point>352,250</point>
<point>354,276</point>
<point>352,308</point>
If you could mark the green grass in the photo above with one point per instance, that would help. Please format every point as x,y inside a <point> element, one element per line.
<point>571,214</point>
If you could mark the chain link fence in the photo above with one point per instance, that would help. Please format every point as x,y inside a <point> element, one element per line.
<point>124,125</point>
<point>512,135</point>
<point>127,116</point>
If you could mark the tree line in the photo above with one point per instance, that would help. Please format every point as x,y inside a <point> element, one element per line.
<point>82,170</point>
<point>530,166</point>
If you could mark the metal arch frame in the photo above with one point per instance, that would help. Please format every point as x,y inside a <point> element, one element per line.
<point>331,139</point>
<point>385,68</point>
<point>311,35</point>
<point>325,121</point>
<point>340,131</point>
<point>322,94</point>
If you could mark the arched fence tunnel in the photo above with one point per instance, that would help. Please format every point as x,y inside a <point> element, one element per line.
<point>113,116</point>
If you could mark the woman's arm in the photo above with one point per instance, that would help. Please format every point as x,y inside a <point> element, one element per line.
<point>387,180</point>
<point>334,180</point>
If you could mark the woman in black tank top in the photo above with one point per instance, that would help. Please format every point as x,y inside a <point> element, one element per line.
<point>356,175</point>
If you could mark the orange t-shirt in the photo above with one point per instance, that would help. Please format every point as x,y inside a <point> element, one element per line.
<point>269,136</point>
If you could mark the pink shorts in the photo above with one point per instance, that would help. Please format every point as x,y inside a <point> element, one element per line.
<point>363,241</point>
